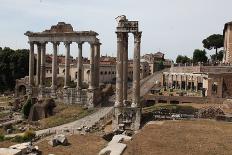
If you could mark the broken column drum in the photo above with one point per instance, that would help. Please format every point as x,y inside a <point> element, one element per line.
<point>63,33</point>
<point>127,113</point>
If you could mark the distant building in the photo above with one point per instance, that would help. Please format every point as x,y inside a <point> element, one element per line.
<point>154,61</point>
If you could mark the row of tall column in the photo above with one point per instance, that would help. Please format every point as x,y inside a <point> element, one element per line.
<point>41,65</point>
<point>183,78</point>
<point>122,72</point>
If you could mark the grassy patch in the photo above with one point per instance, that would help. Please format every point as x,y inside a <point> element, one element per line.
<point>64,114</point>
<point>172,108</point>
<point>4,100</point>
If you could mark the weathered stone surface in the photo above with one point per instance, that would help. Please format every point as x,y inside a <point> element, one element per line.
<point>9,151</point>
<point>58,140</point>
<point>115,147</point>
<point>210,112</point>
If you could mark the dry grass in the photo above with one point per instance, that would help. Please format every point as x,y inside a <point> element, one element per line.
<point>79,145</point>
<point>201,137</point>
<point>64,114</point>
<point>4,101</point>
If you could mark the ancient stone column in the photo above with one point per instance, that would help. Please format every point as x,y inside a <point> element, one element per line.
<point>54,64</point>
<point>79,66</point>
<point>186,82</point>
<point>125,65</point>
<point>38,64</point>
<point>31,64</point>
<point>196,84</point>
<point>192,85</point>
<point>97,64</point>
<point>67,65</point>
<point>136,70</point>
<point>119,71</point>
<point>180,82</point>
<point>43,64</point>
<point>171,81</point>
<point>92,72</point>
<point>176,82</point>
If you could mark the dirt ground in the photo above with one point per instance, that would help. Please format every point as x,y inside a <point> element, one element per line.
<point>79,145</point>
<point>200,137</point>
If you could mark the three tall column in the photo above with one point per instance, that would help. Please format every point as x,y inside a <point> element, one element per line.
<point>122,66</point>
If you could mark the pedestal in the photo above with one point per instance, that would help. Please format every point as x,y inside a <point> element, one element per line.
<point>127,118</point>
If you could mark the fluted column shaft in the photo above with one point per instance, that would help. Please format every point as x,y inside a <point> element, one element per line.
<point>79,66</point>
<point>180,82</point>
<point>192,83</point>
<point>43,64</point>
<point>92,73</point>
<point>67,65</point>
<point>97,64</point>
<point>31,64</point>
<point>54,64</point>
<point>176,81</point>
<point>125,65</point>
<point>136,70</point>
<point>38,64</point>
<point>119,71</point>
<point>186,82</point>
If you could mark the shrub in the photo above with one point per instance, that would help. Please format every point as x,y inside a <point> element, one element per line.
<point>27,107</point>
<point>2,137</point>
<point>27,136</point>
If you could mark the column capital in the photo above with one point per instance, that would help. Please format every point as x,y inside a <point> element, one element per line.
<point>120,36</point>
<point>67,43</point>
<point>31,42</point>
<point>57,43</point>
<point>80,42</point>
<point>43,42</point>
<point>137,36</point>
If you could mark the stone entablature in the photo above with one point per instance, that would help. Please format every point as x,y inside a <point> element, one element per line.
<point>201,69</point>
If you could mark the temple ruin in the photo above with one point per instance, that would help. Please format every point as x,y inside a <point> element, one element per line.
<point>127,115</point>
<point>64,33</point>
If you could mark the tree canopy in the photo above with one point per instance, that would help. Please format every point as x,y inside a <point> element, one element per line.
<point>218,56</point>
<point>214,41</point>
<point>199,56</point>
<point>183,59</point>
<point>13,65</point>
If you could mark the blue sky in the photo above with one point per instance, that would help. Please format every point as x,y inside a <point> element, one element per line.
<point>171,26</point>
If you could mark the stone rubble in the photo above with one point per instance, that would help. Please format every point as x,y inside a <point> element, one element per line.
<point>58,140</point>
<point>115,146</point>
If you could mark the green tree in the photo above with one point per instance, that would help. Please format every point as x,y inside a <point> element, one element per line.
<point>219,56</point>
<point>183,59</point>
<point>13,65</point>
<point>214,41</point>
<point>27,107</point>
<point>160,65</point>
<point>199,56</point>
